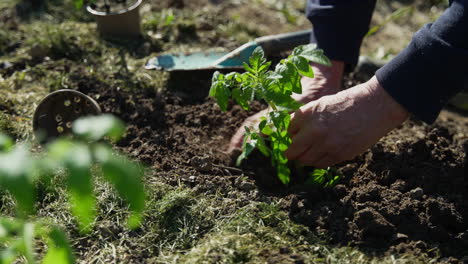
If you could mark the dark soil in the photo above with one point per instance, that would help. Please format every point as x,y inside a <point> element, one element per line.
<point>407,194</point>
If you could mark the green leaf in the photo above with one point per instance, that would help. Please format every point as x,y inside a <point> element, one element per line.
<point>125,176</point>
<point>240,98</point>
<point>261,145</point>
<point>28,242</point>
<point>290,80</point>
<point>59,249</point>
<point>220,90</point>
<point>283,173</point>
<point>311,53</point>
<point>94,128</point>
<point>247,148</point>
<point>77,159</point>
<point>304,49</point>
<point>323,177</point>
<point>257,59</point>
<point>302,65</point>
<point>281,119</point>
<point>80,186</point>
<point>16,175</point>
<point>6,143</point>
<point>8,256</point>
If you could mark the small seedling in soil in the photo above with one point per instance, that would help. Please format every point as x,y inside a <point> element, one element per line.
<point>21,172</point>
<point>275,87</point>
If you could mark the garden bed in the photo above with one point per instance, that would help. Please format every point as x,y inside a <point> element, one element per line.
<point>407,194</point>
<point>404,200</point>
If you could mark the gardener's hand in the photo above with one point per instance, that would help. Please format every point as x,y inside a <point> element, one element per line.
<point>339,127</point>
<point>327,81</point>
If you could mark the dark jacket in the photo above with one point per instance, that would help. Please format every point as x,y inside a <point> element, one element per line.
<point>424,76</point>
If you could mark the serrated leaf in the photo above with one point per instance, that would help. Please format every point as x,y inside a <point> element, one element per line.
<point>290,80</point>
<point>281,119</point>
<point>240,98</point>
<point>264,67</point>
<point>261,145</point>
<point>94,128</point>
<point>311,53</point>
<point>303,67</point>
<point>220,90</point>
<point>59,249</point>
<point>248,68</point>
<point>257,59</point>
<point>323,177</point>
<point>304,49</point>
<point>125,176</point>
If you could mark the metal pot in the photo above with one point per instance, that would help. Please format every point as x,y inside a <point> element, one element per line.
<point>123,23</point>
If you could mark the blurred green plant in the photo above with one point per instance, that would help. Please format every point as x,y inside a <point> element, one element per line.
<point>20,170</point>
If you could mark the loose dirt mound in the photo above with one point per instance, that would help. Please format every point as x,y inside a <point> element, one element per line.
<point>407,194</point>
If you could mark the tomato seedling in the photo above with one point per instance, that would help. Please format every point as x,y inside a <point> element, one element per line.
<point>275,87</point>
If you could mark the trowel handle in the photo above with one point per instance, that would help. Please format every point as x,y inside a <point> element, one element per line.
<point>274,44</point>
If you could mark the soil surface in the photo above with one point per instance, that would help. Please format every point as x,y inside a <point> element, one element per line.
<point>407,194</point>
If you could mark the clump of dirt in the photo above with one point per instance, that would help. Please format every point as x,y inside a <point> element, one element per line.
<point>407,194</point>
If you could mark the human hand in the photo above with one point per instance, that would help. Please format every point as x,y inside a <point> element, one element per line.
<point>327,81</point>
<point>339,127</point>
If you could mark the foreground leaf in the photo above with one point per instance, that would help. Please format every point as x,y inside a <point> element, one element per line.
<point>94,128</point>
<point>59,249</point>
<point>125,176</point>
<point>16,176</point>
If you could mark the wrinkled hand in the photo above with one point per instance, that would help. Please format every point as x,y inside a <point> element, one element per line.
<point>327,81</point>
<point>339,127</point>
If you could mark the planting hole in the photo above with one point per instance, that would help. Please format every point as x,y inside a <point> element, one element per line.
<point>58,118</point>
<point>69,124</point>
<point>77,110</point>
<point>60,129</point>
<point>77,99</point>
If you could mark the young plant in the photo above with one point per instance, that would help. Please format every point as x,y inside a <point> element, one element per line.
<point>275,87</point>
<point>20,171</point>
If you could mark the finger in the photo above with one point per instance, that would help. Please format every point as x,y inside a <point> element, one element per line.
<point>297,121</point>
<point>236,140</point>
<point>300,143</point>
<point>312,156</point>
<point>325,162</point>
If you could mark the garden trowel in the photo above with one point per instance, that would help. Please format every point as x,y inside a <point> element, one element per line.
<point>272,45</point>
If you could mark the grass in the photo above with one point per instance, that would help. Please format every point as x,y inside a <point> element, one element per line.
<point>59,48</point>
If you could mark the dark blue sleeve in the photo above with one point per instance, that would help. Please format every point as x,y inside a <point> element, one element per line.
<point>339,26</point>
<point>434,66</point>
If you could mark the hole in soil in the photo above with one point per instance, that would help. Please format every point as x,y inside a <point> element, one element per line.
<point>58,118</point>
